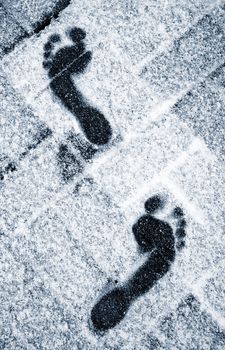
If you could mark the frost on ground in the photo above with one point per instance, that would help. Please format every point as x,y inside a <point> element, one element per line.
<point>112,175</point>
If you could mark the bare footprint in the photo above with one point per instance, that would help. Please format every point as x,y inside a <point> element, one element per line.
<point>68,61</point>
<point>156,238</point>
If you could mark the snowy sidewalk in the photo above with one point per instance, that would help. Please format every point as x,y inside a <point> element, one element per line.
<point>68,207</point>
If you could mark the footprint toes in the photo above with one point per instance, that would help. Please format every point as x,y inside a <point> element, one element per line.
<point>178,212</point>
<point>47,64</point>
<point>47,54</point>
<point>48,46</point>
<point>55,38</point>
<point>180,245</point>
<point>77,34</point>
<point>180,232</point>
<point>110,310</point>
<point>153,203</point>
<point>182,223</point>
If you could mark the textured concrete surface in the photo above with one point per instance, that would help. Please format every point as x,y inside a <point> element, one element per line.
<point>68,206</point>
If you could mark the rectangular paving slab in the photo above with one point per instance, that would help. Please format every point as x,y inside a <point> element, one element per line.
<point>21,130</point>
<point>191,328</point>
<point>141,157</point>
<point>30,186</point>
<point>97,223</point>
<point>56,254</point>
<point>32,316</point>
<point>203,109</point>
<point>176,70</point>
<point>201,178</point>
<point>146,27</point>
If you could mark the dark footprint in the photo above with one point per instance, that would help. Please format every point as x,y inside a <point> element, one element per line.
<point>110,310</point>
<point>68,61</point>
<point>156,238</point>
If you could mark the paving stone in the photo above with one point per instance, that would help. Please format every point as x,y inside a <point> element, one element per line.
<point>191,328</point>
<point>25,72</point>
<point>54,114</point>
<point>96,222</point>
<point>29,188</point>
<point>21,129</point>
<point>142,157</point>
<point>186,62</point>
<point>44,323</point>
<point>203,109</point>
<point>145,342</point>
<point>217,83</point>
<point>10,30</point>
<point>30,14</point>
<point>54,309</point>
<point>144,27</point>
<point>74,154</point>
<point>201,178</point>
<point>32,317</point>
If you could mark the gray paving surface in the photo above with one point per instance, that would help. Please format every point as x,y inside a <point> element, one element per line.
<point>175,70</point>
<point>203,109</point>
<point>157,74</point>
<point>30,14</point>
<point>11,31</point>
